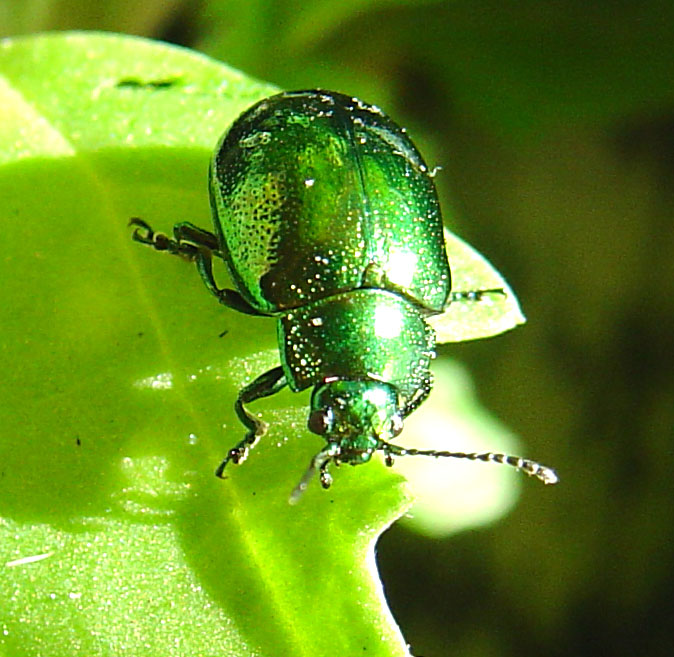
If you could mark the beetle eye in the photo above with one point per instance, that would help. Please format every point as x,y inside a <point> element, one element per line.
<point>396,425</point>
<point>318,422</point>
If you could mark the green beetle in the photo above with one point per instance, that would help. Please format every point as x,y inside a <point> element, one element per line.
<point>328,218</point>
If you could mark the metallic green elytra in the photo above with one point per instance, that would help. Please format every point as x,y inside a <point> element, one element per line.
<point>328,218</point>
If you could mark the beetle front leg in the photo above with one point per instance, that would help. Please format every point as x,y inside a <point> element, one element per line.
<point>417,400</point>
<point>265,385</point>
<point>419,397</point>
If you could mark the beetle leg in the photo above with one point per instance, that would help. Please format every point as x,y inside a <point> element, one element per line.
<point>475,295</point>
<point>187,232</point>
<point>324,476</point>
<point>207,247</point>
<point>187,242</point>
<point>319,462</point>
<point>196,245</point>
<point>230,298</point>
<point>417,400</point>
<point>265,385</point>
<point>419,397</point>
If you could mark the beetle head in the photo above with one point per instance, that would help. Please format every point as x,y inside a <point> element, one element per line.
<point>356,418</point>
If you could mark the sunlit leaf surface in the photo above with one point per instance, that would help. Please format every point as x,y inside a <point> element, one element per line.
<point>116,395</point>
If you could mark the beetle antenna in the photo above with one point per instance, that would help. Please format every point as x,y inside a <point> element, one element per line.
<point>532,468</point>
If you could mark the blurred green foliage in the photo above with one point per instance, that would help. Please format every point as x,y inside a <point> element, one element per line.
<point>554,124</point>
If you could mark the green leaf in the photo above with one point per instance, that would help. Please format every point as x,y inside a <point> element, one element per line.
<point>116,395</point>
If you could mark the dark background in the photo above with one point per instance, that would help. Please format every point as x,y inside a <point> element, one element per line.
<point>554,126</point>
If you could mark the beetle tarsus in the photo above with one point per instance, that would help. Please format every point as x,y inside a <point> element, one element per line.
<point>146,237</point>
<point>475,295</point>
<point>145,234</point>
<point>325,477</point>
<point>236,455</point>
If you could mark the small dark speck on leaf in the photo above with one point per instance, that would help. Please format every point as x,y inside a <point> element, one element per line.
<point>78,441</point>
<point>141,334</point>
<point>223,334</point>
